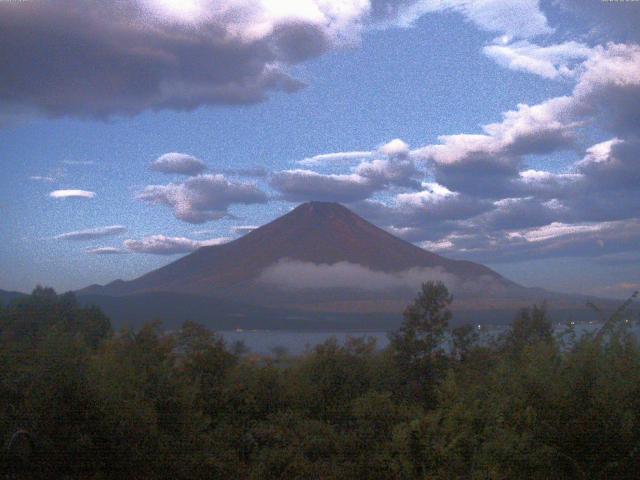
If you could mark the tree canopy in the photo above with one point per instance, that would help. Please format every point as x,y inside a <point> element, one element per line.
<point>83,402</point>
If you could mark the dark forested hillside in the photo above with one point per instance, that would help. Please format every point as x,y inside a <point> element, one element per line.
<point>80,401</point>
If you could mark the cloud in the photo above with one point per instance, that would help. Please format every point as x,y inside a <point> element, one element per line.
<point>536,129</point>
<point>294,274</point>
<point>390,166</point>
<point>395,148</point>
<point>398,171</point>
<point>180,163</point>
<point>39,178</point>
<point>92,233</point>
<point>556,239</point>
<point>610,83</point>
<point>297,275</point>
<point>202,198</point>
<point>301,185</point>
<point>429,213</point>
<point>71,194</point>
<point>78,162</point>
<point>553,61</point>
<point>106,251</point>
<point>99,59</point>
<point>514,18</point>
<point>338,157</point>
<point>163,245</point>
<point>254,172</point>
<point>602,19</point>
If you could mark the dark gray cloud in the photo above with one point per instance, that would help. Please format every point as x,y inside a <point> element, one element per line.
<point>91,58</point>
<point>393,167</point>
<point>92,233</point>
<point>202,198</point>
<point>302,185</point>
<point>251,172</point>
<point>428,214</point>
<point>181,163</point>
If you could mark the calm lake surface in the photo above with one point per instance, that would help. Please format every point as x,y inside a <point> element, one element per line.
<point>297,342</point>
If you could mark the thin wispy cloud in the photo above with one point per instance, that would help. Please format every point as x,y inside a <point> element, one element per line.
<point>92,233</point>
<point>78,162</point>
<point>106,251</point>
<point>40,178</point>
<point>164,245</point>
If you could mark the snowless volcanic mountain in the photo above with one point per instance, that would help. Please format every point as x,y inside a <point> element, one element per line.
<point>319,261</point>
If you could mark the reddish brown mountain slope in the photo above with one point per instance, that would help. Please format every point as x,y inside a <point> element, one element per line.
<point>315,232</point>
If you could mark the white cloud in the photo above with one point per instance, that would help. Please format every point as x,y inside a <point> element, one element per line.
<point>297,275</point>
<point>163,245</point>
<point>535,129</point>
<point>202,198</point>
<point>553,61</point>
<point>72,194</point>
<point>294,274</point>
<point>395,148</point>
<point>557,229</point>
<point>513,18</point>
<point>92,233</point>
<point>180,163</point>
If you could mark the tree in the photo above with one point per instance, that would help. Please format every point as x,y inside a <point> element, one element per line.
<point>417,343</point>
<point>530,327</point>
<point>463,338</point>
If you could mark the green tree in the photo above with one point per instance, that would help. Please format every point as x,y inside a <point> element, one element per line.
<point>417,344</point>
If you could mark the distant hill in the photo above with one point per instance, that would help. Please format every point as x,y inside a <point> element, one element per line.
<point>6,296</point>
<point>318,263</point>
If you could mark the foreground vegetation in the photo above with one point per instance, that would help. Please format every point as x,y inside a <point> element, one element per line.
<point>435,404</point>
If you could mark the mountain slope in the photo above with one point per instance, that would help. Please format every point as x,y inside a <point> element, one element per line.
<point>315,233</point>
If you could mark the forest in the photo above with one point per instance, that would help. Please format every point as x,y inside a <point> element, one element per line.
<point>79,400</point>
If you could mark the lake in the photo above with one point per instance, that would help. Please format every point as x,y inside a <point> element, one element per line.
<point>297,342</point>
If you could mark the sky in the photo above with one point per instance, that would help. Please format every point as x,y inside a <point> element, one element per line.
<point>503,132</point>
